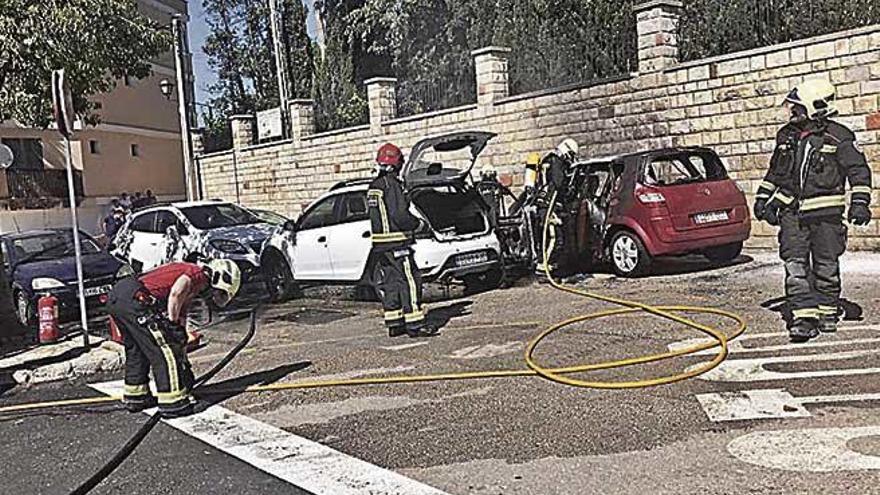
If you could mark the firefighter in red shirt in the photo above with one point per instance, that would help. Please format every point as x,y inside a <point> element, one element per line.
<point>151,312</point>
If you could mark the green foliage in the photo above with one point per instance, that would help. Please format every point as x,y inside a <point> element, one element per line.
<point>716,27</point>
<point>239,49</point>
<point>96,42</point>
<point>338,100</point>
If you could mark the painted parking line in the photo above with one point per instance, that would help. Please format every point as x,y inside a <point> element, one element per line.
<point>301,462</point>
<point>818,450</point>
<point>776,403</point>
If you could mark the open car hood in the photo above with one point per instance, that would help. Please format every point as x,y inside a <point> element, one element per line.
<point>444,158</point>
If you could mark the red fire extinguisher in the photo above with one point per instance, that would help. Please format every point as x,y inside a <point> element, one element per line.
<point>115,334</point>
<point>47,309</point>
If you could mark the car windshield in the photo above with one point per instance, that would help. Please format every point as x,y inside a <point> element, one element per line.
<point>270,217</point>
<point>684,168</point>
<point>50,246</point>
<point>214,216</point>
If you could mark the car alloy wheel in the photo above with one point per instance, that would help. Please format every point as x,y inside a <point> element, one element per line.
<point>625,253</point>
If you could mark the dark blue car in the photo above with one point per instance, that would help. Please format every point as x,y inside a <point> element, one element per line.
<point>43,262</point>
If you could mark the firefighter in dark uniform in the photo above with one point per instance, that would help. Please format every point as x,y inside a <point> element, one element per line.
<point>552,195</point>
<point>150,311</point>
<point>393,227</point>
<point>804,194</point>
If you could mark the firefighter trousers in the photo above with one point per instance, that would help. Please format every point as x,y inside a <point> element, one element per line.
<point>810,249</point>
<point>150,345</point>
<point>402,289</point>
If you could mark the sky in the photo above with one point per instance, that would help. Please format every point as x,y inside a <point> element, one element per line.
<point>198,31</point>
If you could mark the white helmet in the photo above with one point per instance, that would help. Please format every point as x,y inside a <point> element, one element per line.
<point>568,149</point>
<point>816,96</point>
<point>225,278</point>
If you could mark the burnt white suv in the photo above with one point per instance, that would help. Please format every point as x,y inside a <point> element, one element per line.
<point>173,232</point>
<point>330,243</point>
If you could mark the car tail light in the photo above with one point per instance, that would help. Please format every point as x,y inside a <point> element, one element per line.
<point>649,196</point>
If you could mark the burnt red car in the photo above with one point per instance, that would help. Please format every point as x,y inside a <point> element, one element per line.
<point>632,208</point>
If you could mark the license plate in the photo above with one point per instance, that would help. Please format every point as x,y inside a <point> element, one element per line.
<point>97,291</point>
<point>711,217</point>
<point>471,259</point>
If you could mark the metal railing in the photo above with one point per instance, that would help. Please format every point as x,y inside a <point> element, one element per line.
<point>716,27</point>
<point>594,41</point>
<point>429,96</point>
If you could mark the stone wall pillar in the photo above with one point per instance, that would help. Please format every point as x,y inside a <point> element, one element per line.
<point>493,79</point>
<point>243,132</point>
<point>198,141</point>
<point>382,100</point>
<point>302,119</point>
<point>656,24</point>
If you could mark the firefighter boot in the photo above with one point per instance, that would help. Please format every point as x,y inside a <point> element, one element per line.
<point>426,330</point>
<point>803,329</point>
<point>138,404</point>
<point>828,324</point>
<point>396,331</point>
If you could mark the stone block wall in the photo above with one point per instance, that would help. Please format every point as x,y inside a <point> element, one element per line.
<point>729,103</point>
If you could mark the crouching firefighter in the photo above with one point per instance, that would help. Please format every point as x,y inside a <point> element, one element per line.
<point>150,311</point>
<point>804,194</point>
<point>551,198</point>
<point>393,228</point>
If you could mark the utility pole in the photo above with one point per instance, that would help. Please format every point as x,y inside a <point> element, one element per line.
<point>275,18</point>
<point>183,110</point>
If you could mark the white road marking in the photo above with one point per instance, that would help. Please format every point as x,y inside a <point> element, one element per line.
<point>774,403</point>
<point>296,460</point>
<point>403,347</point>
<point>819,450</point>
<point>485,351</point>
<point>738,345</point>
<point>751,404</point>
<point>752,370</point>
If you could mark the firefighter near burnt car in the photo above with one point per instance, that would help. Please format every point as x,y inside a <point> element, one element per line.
<point>392,232</point>
<point>551,198</point>
<point>803,193</point>
<point>150,311</point>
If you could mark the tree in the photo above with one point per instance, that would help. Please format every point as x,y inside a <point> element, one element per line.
<point>96,42</point>
<point>240,50</point>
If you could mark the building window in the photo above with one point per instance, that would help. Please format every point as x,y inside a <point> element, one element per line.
<point>94,147</point>
<point>135,150</point>
<point>27,153</point>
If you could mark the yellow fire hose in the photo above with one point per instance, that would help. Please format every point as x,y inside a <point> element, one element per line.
<point>557,375</point>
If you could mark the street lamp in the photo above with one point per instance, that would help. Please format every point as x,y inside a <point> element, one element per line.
<point>166,87</point>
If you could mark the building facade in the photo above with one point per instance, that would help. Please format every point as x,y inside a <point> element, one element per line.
<point>135,147</point>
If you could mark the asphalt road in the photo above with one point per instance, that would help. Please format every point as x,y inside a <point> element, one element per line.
<point>774,418</point>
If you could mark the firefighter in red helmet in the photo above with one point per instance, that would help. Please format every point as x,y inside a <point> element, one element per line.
<point>393,228</point>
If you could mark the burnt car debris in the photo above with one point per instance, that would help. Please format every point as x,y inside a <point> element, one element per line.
<point>626,210</point>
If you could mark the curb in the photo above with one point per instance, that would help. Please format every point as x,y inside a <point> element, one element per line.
<point>108,356</point>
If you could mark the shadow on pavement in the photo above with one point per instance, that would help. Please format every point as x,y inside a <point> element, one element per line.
<point>440,317</point>
<point>852,311</point>
<point>693,264</point>
<point>216,393</point>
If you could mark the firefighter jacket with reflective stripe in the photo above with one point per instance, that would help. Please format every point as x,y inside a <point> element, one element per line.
<point>810,167</point>
<point>553,168</point>
<point>391,222</point>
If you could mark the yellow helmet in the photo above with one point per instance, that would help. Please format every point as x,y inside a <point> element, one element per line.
<point>225,278</point>
<point>816,95</point>
<point>533,158</point>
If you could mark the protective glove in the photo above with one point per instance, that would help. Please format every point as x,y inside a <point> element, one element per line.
<point>759,208</point>
<point>771,213</point>
<point>859,213</point>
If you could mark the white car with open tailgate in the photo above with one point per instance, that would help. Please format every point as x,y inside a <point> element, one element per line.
<point>330,243</point>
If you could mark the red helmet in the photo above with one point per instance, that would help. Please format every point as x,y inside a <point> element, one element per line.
<point>389,156</point>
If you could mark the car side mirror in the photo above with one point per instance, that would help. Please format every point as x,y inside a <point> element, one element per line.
<point>182,229</point>
<point>289,226</point>
<point>172,232</point>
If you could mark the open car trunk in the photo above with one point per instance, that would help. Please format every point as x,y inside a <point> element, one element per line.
<point>452,213</point>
